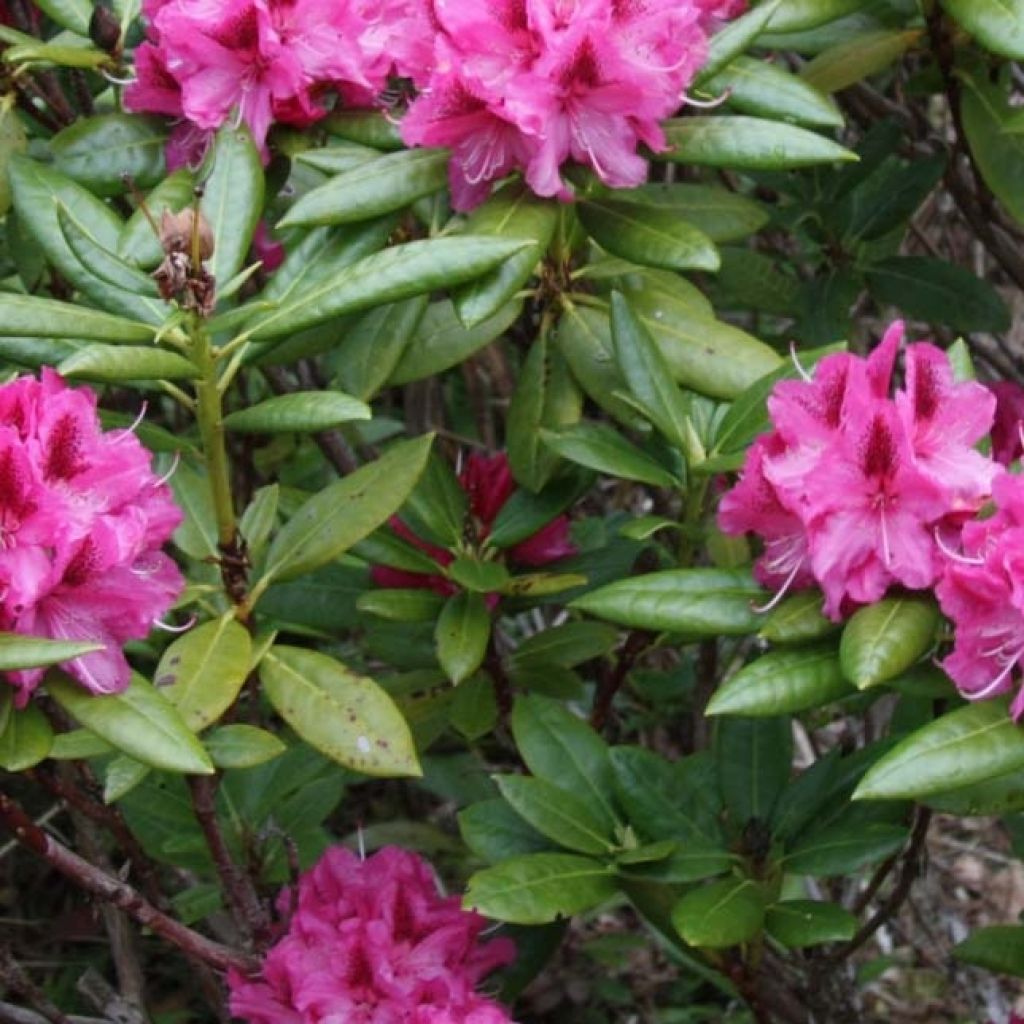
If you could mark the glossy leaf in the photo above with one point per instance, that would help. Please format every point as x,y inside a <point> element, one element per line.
<point>71,14</point>
<point>555,813</point>
<point>736,37</point>
<point>782,682</point>
<point>800,923</point>
<point>721,914</point>
<point>601,447</point>
<point>113,364</point>
<point>347,717</point>
<point>797,15</point>
<point>202,672</point>
<point>880,641</point>
<point>137,242</point>
<point>997,24</point>
<point>493,831</point>
<point>241,746</point>
<point>856,59</point>
<point>98,151</point>
<point>473,712</point>
<point>843,848</point>
<point>754,757</point>
<point>539,888</point>
<point>25,315</point>
<point>721,215</point>
<point>797,619</point>
<point>462,634</point>
<point>18,651</point>
<point>140,722</point>
<point>12,140</point>
<point>399,605</point>
<point>300,412</point>
<point>568,644</point>
<point>998,948</point>
<point>102,262</point>
<point>25,739</point>
<point>695,602</point>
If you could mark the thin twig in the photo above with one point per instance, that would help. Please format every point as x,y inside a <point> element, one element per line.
<point>612,679</point>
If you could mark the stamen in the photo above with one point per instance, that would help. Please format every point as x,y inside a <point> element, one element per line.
<point>167,476</point>
<point>996,683</point>
<point>707,104</point>
<point>807,378</point>
<point>361,840</point>
<point>761,609</point>
<point>169,628</point>
<point>886,550</point>
<point>135,424</point>
<point>952,555</point>
<point>114,80</point>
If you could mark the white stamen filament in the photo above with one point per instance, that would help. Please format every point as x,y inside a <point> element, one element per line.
<point>952,555</point>
<point>886,548</point>
<point>167,476</point>
<point>170,628</point>
<point>780,594</point>
<point>134,425</point>
<point>806,377</point>
<point>997,683</point>
<point>707,104</point>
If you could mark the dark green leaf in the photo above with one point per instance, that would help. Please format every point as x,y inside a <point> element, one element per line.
<point>242,746</point>
<point>462,634</point>
<point>997,24</point>
<point>800,923</point>
<point>99,151</point>
<point>798,619</point>
<point>721,914</point>
<point>842,849</point>
<point>998,948</point>
<point>721,215</point>
<point>26,738</point>
<point>882,640</point>
<point>303,412</point>
<point>493,831</point>
<point>754,757</point>
<point>113,364</point>
<point>18,651</point>
<point>555,813</point>
<point>857,58</point>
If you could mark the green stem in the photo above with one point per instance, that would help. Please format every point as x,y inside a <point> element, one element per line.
<point>693,514</point>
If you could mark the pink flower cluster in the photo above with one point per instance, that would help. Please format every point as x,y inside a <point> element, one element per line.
<point>261,61</point>
<point>372,942</point>
<point>859,491</point>
<point>487,481</point>
<point>532,84</point>
<point>82,520</point>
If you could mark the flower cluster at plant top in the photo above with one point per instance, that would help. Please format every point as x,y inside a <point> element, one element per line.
<point>82,521</point>
<point>372,942</point>
<point>487,481</point>
<point>507,84</point>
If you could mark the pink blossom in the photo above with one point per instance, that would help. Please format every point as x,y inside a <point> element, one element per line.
<point>852,487</point>
<point>1008,429</point>
<point>82,519</point>
<point>372,942</point>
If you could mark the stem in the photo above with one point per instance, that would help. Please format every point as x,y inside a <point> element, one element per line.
<point>119,893</point>
<point>612,680</point>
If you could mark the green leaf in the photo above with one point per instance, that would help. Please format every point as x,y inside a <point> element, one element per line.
<point>371,188</point>
<point>797,15</point>
<point>800,923</point>
<point>512,212</point>
<point>71,14</point>
<point>98,151</point>
<point>654,236</point>
<point>767,90</point>
<point>563,750</point>
<point>340,157</point>
<point>782,682</point>
<point>858,58</point>
<point>345,716</point>
<point>754,757</point>
<point>483,577</point>
<point>493,831</point>
<point>797,619</point>
<point>346,511</point>
<point>203,672</point>
<point>539,887</point>
<point>721,215</point>
<point>74,744</point>
<point>1001,795</point>
<point>26,315</point>
<point>939,293</point>
<point>525,513</point>
<point>474,708</point>
<point>437,507</point>
<point>997,24</point>
<point>259,518</point>
<point>241,746</point>
<point>398,272</point>
<point>695,602</point>
<point>569,644</point>
<point>113,364</point>
<point>140,722</point>
<point>843,848</point>
<point>553,812</point>
<point>368,127</point>
<point>18,651</point>
<point>232,200</point>
<point>121,776</point>
<point>880,641</point>
<point>747,143</point>
<point>970,745</point>
<point>398,605</point>
<point>601,447</point>
<point>300,412</point>
<point>721,914</point>
<point>462,633</point>
<point>998,948</point>
<point>12,140</point>
<point>26,738</point>
<point>735,38</point>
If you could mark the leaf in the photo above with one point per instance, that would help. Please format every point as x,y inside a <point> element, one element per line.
<point>525,513</point>
<point>649,235</point>
<point>478,575</point>
<point>474,709</point>
<point>858,58</point>
<point>462,634</point>
<point>883,640</point>
<point>601,447</point>
<point>102,262</point>
<point>767,90</point>
<point>721,914</point>
<point>648,376</point>
<point>563,750</point>
<point>721,215</point>
<point>569,644</point>
<point>70,14</point>
<point>12,140</point>
<point>203,672</point>
<point>113,364</point>
<point>747,143</point>
<point>493,831</point>
<point>25,315</point>
<point>800,923</point>
<point>998,948</point>
<point>346,511</point>
<point>735,38</point>
<point>140,722</point>
<point>241,746</point>
<point>997,24</point>
<point>843,848</point>
<point>539,887</point>
<point>398,605</point>
<point>99,151</point>
<point>782,682</point>
<point>939,293</point>
<point>232,200</point>
<point>345,716</point>
<point>754,757</point>
<point>398,272</point>
<point>26,738</point>
<point>797,15</point>
<point>368,127</point>
<point>797,619</point>
<point>695,602</point>
<point>18,651</point>
<point>555,813</point>
<point>371,188</point>
<point>512,212</point>
<point>437,507</point>
<point>340,157</point>
<point>122,775</point>
<point>300,412</point>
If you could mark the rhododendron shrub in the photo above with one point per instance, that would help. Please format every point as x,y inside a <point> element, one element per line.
<point>492,449</point>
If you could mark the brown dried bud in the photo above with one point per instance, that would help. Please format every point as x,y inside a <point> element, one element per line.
<point>176,233</point>
<point>104,29</point>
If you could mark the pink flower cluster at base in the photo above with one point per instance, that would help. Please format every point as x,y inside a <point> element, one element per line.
<point>82,521</point>
<point>853,487</point>
<point>533,84</point>
<point>487,481</point>
<point>372,942</point>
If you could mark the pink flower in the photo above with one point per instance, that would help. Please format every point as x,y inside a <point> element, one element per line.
<point>852,486</point>
<point>82,520</point>
<point>267,249</point>
<point>487,481</point>
<point>982,591</point>
<point>1007,443</point>
<point>372,942</point>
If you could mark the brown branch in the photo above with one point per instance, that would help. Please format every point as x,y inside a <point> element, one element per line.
<point>16,979</point>
<point>612,679</point>
<point>120,894</point>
